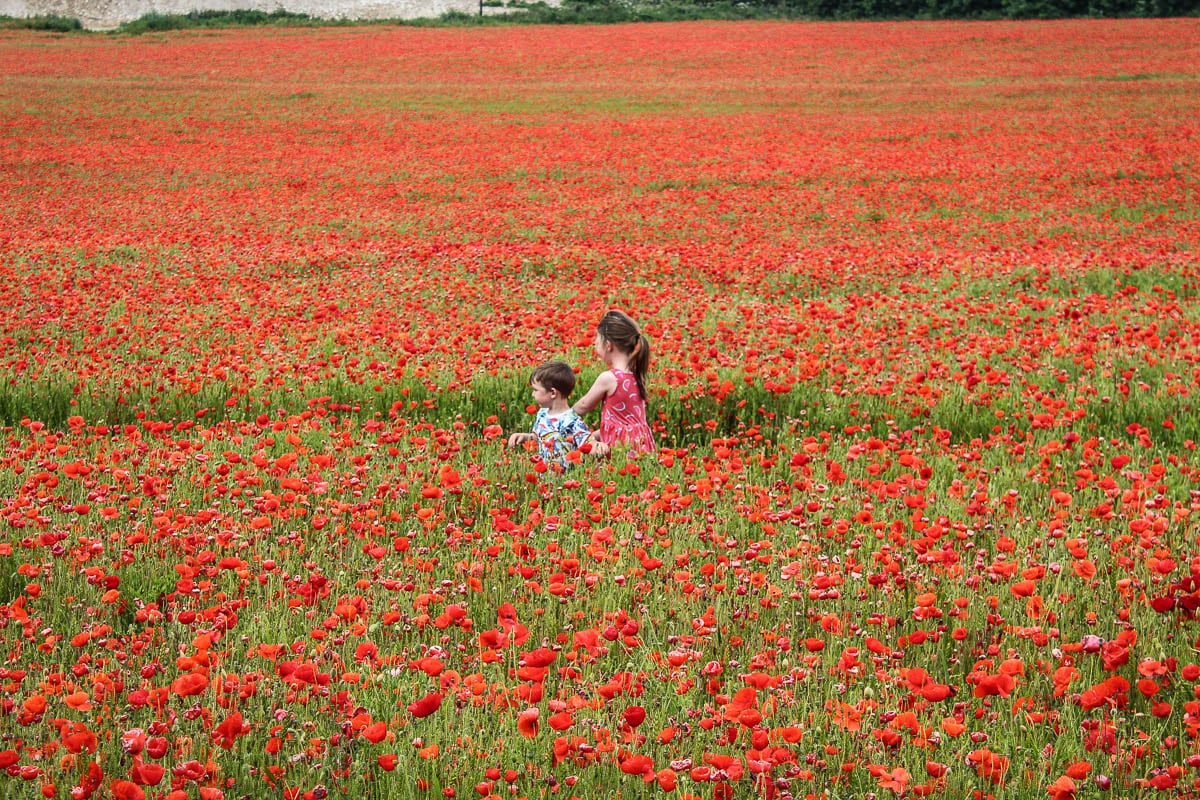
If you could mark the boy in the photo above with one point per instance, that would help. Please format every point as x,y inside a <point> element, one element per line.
<point>557,429</point>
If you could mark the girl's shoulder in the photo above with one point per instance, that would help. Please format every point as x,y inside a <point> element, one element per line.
<point>606,378</point>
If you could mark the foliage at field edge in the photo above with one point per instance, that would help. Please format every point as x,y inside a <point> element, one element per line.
<point>574,12</point>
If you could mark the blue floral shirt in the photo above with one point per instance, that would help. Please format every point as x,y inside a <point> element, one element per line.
<point>558,436</point>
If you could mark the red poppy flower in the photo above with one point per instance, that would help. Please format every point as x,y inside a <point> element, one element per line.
<point>634,716</point>
<point>127,790</point>
<point>667,779</point>
<point>527,722</point>
<point>988,685</point>
<point>426,705</point>
<point>896,779</point>
<point>561,720</point>
<point>78,738</point>
<point>145,774</point>
<point>542,657</point>
<point>190,684</point>
<point>637,764</point>
<point>1062,789</point>
<point>375,733</point>
<point>225,734</point>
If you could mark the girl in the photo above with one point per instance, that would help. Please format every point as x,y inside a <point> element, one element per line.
<point>622,388</point>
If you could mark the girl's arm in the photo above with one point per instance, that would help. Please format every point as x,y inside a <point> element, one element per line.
<point>605,383</point>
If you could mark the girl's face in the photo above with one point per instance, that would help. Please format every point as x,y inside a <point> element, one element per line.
<point>603,348</point>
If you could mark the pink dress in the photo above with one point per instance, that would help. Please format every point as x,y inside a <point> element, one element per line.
<point>623,415</point>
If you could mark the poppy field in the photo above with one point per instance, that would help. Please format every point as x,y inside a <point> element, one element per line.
<point>924,306</point>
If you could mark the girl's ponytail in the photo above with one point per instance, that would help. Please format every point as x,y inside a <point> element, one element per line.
<point>639,363</point>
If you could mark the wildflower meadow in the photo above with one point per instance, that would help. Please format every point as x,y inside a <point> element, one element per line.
<point>924,308</point>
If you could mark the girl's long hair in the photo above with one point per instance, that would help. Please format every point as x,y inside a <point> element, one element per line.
<point>620,329</point>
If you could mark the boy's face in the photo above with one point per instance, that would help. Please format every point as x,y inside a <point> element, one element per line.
<point>541,395</point>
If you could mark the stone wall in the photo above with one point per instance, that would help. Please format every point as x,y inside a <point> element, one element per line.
<point>107,14</point>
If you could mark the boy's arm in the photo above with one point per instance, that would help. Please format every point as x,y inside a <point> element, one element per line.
<point>518,439</point>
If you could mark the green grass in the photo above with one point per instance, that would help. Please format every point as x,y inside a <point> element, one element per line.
<point>688,416</point>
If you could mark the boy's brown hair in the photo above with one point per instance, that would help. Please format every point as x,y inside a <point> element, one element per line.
<point>556,375</point>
